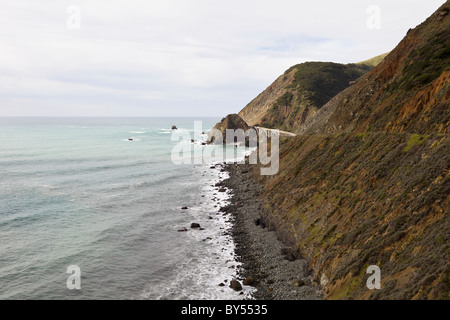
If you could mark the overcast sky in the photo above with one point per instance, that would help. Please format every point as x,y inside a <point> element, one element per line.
<point>179,57</point>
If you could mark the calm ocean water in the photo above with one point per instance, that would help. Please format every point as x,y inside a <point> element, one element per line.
<point>76,191</point>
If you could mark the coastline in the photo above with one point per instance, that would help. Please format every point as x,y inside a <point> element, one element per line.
<point>266,262</point>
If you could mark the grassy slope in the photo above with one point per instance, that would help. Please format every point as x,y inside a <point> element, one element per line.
<point>373,62</point>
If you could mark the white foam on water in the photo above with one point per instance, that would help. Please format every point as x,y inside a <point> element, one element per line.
<point>199,274</point>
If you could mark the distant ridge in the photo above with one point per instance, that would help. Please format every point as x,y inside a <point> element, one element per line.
<point>373,62</point>
<point>299,93</point>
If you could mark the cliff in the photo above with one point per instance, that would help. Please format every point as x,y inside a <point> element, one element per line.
<point>368,180</point>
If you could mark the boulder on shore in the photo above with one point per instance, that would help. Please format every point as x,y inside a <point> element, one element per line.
<point>195,225</point>
<point>248,281</point>
<point>235,285</point>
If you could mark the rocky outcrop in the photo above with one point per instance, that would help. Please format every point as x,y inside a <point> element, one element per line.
<point>231,121</point>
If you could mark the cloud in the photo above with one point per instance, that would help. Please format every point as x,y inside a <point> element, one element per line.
<point>177,57</point>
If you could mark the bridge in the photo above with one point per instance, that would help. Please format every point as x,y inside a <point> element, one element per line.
<point>274,132</point>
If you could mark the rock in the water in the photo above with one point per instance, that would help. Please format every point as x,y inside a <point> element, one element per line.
<point>195,225</point>
<point>182,230</point>
<point>174,128</point>
<point>222,189</point>
<point>184,208</point>
<point>235,285</point>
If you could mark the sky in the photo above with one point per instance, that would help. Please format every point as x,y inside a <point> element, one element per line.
<point>144,58</point>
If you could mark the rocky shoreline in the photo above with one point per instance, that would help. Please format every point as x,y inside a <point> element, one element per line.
<point>267,263</point>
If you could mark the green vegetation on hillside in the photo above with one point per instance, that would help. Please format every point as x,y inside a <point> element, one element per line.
<point>284,100</point>
<point>427,63</point>
<point>314,84</point>
<point>321,81</point>
<point>414,140</point>
<point>373,62</point>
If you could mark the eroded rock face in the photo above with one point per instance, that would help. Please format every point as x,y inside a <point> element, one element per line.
<point>367,182</point>
<point>219,133</point>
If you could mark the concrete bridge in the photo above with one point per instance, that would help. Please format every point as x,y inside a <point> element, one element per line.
<point>274,132</point>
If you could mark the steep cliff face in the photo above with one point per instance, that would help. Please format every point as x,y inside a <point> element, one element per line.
<point>299,93</point>
<point>231,121</point>
<point>351,201</point>
<point>368,181</point>
<point>258,107</point>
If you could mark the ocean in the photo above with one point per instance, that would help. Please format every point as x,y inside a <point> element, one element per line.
<point>106,195</point>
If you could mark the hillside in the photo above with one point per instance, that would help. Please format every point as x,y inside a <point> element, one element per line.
<point>297,95</point>
<point>368,180</point>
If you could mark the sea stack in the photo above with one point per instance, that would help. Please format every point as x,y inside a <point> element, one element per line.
<point>231,121</point>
